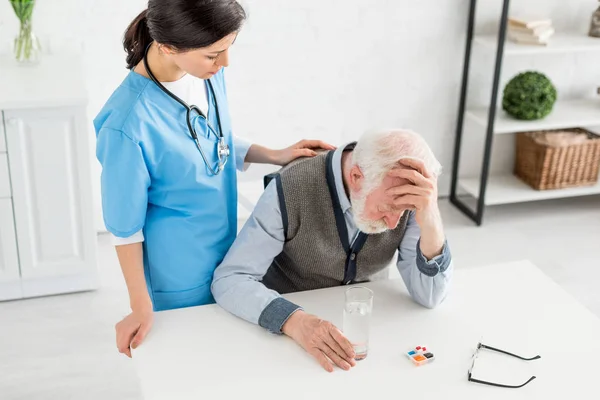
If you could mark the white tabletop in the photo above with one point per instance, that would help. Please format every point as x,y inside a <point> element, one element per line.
<point>205,353</point>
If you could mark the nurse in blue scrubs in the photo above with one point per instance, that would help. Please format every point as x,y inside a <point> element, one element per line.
<point>169,158</point>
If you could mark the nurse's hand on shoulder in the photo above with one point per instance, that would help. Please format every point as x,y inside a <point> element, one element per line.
<point>304,148</point>
<point>132,329</point>
<point>321,339</point>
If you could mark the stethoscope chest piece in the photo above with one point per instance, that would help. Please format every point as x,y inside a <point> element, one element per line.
<point>223,153</point>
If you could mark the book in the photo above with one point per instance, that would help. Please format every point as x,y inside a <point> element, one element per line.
<point>544,37</point>
<point>529,22</point>
<point>528,40</point>
<point>538,31</point>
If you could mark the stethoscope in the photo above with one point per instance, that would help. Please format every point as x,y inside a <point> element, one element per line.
<point>222,146</point>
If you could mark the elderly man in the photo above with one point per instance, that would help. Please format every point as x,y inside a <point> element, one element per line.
<point>336,219</point>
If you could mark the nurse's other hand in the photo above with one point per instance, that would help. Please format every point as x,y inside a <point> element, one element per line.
<point>304,148</point>
<point>132,330</point>
<point>321,339</point>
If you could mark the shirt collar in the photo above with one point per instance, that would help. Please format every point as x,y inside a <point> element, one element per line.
<point>338,178</point>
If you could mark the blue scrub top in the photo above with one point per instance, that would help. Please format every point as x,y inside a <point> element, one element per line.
<point>154,178</point>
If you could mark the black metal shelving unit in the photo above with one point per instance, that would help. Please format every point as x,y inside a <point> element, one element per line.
<point>477,214</point>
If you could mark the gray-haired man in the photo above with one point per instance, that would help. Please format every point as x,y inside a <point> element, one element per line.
<point>335,219</point>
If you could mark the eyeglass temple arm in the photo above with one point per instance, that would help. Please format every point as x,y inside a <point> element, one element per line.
<point>499,384</point>
<point>509,354</point>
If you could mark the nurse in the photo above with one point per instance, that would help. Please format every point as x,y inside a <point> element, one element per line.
<point>169,158</point>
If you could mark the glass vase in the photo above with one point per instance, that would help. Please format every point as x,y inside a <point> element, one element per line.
<point>26,47</point>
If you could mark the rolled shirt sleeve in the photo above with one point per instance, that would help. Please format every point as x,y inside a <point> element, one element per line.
<point>427,281</point>
<point>237,285</point>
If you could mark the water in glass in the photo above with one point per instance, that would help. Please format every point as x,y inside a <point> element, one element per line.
<point>357,320</point>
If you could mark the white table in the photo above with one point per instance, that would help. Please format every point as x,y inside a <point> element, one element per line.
<point>205,353</point>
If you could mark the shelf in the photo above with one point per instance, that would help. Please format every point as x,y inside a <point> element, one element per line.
<point>508,189</point>
<point>566,114</point>
<point>559,43</point>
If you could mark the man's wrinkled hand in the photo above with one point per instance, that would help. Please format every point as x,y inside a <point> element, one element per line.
<point>321,339</point>
<point>420,195</point>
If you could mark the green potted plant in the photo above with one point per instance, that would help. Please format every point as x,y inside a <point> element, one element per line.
<point>529,96</point>
<point>26,47</point>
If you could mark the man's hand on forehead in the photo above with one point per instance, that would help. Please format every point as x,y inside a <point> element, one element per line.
<point>418,194</point>
<point>410,164</point>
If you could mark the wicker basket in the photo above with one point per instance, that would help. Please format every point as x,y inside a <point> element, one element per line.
<point>544,167</point>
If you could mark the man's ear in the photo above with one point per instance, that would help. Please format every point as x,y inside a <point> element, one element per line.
<point>356,179</point>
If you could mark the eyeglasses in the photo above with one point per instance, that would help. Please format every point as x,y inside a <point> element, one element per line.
<point>483,346</point>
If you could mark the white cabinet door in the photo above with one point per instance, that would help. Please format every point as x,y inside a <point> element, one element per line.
<point>4,176</point>
<point>10,287</point>
<point>2,141</point>
<point>49,164</point>
<point>9,260</point>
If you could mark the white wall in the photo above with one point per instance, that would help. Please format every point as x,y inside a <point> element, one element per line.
<point>575,75</point>
<point>92,27</point>
<point>316,68</point>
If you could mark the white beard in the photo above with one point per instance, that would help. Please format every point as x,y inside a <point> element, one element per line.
<point>365,225</point>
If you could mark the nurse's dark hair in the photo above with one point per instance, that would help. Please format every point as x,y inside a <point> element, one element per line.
<point>182,25</point>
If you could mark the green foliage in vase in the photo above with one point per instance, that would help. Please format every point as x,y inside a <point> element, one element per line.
<point>26,43</point>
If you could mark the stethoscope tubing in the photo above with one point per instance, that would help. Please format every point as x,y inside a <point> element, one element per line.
<point>222,147</point>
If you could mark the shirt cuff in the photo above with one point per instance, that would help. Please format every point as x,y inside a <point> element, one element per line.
<point>437,264</point>
<point>121,241</point>
<point>241,150</point>
<point>276,314</point>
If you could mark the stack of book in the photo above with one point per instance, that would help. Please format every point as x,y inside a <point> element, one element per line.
<point>527,30</point>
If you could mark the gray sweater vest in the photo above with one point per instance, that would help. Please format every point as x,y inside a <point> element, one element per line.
<point>317,253</point>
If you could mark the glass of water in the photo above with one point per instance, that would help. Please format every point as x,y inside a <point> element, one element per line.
<point>357,319</point>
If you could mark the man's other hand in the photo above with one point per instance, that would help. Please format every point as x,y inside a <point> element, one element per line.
<point>321,339</point>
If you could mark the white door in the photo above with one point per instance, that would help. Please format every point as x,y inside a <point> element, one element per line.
<point>49,164</point>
